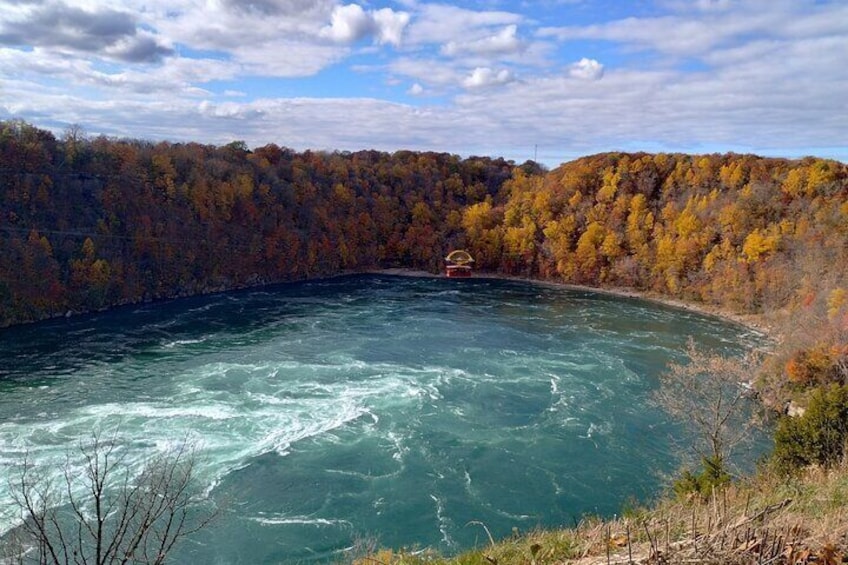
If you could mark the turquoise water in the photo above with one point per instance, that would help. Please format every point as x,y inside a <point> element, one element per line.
<point>402,409</point>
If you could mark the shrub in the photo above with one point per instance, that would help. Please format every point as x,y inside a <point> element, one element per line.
<point>818,365</point>
<point>819,436</point>
<point>712,476</point>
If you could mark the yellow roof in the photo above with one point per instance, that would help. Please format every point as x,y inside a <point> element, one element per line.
<point>459,257</point>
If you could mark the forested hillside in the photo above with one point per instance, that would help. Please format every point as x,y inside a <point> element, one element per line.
<point>89,223</point>
<point>743,233</point>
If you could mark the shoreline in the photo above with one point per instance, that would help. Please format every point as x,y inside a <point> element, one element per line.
<point>753,322</point>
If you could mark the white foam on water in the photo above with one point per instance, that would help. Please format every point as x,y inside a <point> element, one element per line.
<point>597,429</point>
<point>555,483</point>
<point>159,411</point>
<point>364,476</point>
<point>400,450</point>
<point>514,517</point>
<point>180,342</point>
<point>374,418</point>
<point>284,520</point>
<point>226,426</point>
<point>458,412</point>
<point>443,521</point>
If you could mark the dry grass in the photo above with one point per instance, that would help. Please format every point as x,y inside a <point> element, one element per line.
<point>767,520</point>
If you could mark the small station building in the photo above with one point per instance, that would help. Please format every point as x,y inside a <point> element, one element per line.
<point>458,264</point>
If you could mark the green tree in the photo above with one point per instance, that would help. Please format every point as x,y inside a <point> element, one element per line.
<point>818,437</point>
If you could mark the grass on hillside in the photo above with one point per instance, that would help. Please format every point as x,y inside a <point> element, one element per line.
<point>764,520</point>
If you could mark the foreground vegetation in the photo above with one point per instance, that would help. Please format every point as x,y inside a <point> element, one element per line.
<point>92,223</point>
<point>767,519</point>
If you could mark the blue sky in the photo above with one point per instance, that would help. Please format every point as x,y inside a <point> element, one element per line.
<point>512,78</point>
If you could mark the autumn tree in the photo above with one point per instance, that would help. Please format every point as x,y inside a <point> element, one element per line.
<point>484,232</point>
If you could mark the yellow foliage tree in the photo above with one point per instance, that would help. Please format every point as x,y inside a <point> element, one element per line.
<point>611,246</point>
<point>822,175</point>
<point>723,251</point>
<point>520,241</point>
<point>795,183</point>
<point>666,264</point>
<point>586,253</point>
<point>732,175</point>
<point>559,236</point>
<point>90,275</point>
<point>640,222</point>
<point>759,243</point>
<point>609,187</point>
<point>482,225</point>
<point>687,223</point>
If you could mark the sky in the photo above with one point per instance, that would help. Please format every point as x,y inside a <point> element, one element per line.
<point>549,80</point>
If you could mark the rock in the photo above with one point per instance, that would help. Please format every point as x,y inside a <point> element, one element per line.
<point>793,410</point>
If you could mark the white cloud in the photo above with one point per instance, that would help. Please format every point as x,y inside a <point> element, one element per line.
<point>712,24</point>
<point>351,23</point>
<point>745,106</point>
<point>708,5</point>
<point>427,71</point>
<point>440,24</point>
<point>224,24</point>
<point>175,76</point>
<point>390,25</point>
<point>229,110</point>
<point>348,24</point>
<point>504,42</point>
<point>286,58</point>
<point>484,76</point>
<point>447,46</point>
<point>770,75</point>
<point>264,37</point>
<point>586,69</point>
<point>668,34</point>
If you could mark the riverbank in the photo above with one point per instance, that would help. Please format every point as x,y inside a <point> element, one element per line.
<point>763,519</point>
<point>756,323</point>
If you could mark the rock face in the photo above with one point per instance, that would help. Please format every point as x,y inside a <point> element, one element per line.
<point>793,410</point>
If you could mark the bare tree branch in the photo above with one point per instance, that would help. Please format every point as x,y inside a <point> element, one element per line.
<point>121,518</point>
<point>707,395</point>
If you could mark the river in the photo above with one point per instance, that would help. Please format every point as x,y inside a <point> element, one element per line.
<point>331,413</point>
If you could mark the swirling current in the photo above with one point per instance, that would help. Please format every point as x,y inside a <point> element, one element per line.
<point>406,411</point>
